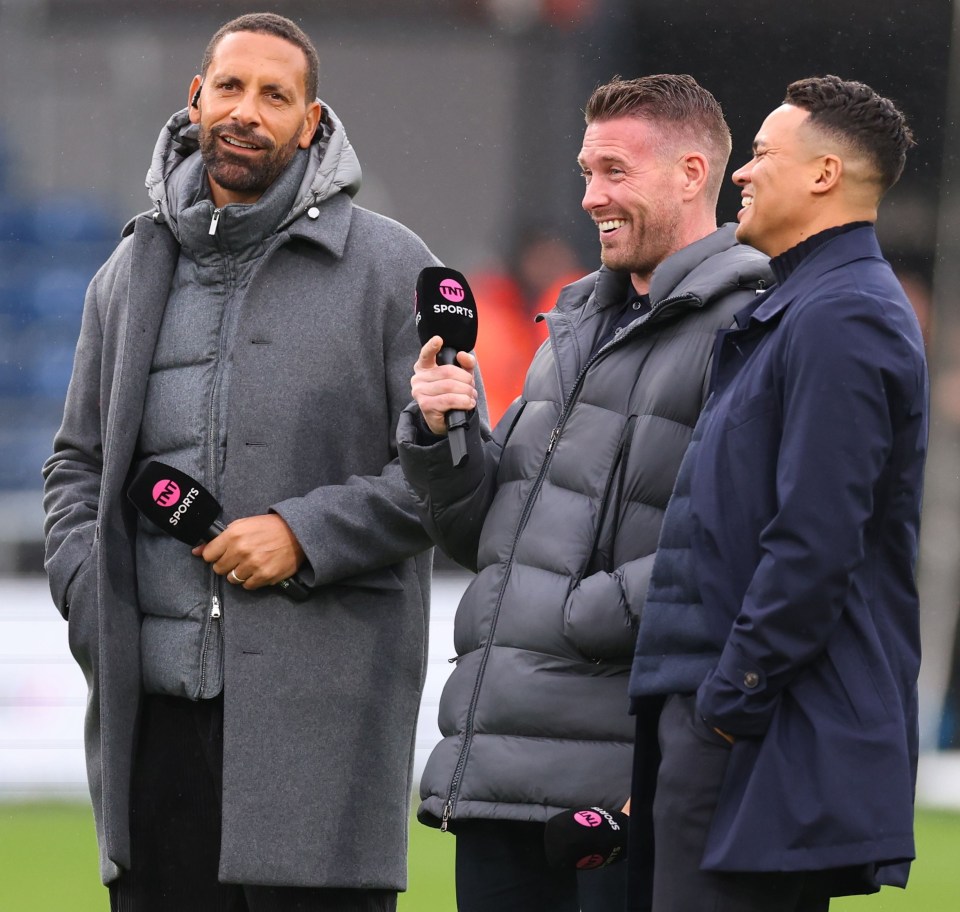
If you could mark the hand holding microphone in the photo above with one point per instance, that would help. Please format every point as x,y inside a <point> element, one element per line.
<point>183,508</point>
<point>443,384</point>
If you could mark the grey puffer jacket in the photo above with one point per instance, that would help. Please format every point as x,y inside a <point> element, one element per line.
<point>560,513</point>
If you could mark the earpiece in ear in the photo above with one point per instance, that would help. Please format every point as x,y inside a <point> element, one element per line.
<point>194,102</point>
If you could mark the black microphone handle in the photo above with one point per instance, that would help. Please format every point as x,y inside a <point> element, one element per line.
<point>292,586</point>
<point>455,420</point>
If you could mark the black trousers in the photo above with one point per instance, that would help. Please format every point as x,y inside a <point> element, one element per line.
<point>502,867</point>
<point>175,826</point>
<point>692,765</point>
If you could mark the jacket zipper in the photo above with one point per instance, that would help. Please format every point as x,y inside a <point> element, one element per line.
<point>215,613</point>
<point>450,803</point>
<point>212,447</point>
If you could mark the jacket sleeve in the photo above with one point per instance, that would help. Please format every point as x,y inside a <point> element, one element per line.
<point>849,383</point>
<point>603,610</point>
<point>73,472</point>
<point>452,502</point>
<point>355,531</point>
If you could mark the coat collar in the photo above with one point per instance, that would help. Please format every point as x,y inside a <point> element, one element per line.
<point>858,244</point>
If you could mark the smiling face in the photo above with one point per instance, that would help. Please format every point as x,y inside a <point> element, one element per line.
<point>633,195</point>
<point>778,185</point>
<point>253,114</point>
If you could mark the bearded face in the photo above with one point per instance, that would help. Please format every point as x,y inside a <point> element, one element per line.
<point>242,160</point>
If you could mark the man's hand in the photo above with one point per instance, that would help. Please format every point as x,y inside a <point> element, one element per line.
<point>442,388</point>
<point>253,552</point>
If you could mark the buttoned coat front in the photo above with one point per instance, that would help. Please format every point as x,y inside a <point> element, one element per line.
<point>321,697</point>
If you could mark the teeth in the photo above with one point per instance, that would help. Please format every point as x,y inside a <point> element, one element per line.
<point>610,224</point>
<point>747,202</point>
<point>236,142</point>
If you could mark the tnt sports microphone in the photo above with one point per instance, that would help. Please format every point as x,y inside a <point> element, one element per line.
<point>185,509</point>
<point>445,308</point>
<point>586,838</point>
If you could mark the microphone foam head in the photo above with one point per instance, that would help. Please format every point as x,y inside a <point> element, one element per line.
<point>445,307</point>
<point>586,838</point>
<point>174,502</point>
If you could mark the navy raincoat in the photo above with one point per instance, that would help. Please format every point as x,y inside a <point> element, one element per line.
<point>792,609</point>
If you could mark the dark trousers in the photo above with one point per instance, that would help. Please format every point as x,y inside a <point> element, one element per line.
<point>692,766</point>
<point>501,867</point>
<point>175,826</point>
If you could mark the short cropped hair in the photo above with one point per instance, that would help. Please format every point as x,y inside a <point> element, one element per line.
<point>857,116</point>
<point>270,24</point>
<point>678,102</point>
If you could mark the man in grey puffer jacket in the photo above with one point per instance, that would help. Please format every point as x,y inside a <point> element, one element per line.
<point>243,750</point>
<point>559,510</point>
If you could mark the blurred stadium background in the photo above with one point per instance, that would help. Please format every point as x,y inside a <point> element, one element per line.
<point>466,116</point>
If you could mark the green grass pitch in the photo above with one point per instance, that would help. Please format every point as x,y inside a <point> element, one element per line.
<point>49,864</point>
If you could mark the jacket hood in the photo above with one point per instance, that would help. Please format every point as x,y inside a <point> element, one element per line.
<point>333,166</point>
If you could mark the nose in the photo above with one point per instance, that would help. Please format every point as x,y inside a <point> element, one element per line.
<point>741,176</point>
<point>593,196</point>
<point>246,109</point>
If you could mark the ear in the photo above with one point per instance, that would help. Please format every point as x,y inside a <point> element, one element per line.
<point>827,173</point>
<point>310,122</point>
<point>694,171</point>
<point>193,110</point>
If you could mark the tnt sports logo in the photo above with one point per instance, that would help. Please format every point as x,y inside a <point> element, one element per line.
<point>588,818</point>
<point>594,817</point>
<point>166,493</point>
<point>452,290</point>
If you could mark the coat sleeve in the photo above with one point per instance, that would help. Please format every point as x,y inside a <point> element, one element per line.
<point>73,472</point>
<point>848,380</point>
<point>356,531</point>
<point>362,527</point>
<point>452,502</point>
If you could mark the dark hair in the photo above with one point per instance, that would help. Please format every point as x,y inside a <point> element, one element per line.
<point>677,100</point>
<point>270,24</point>
<point>857,116</point>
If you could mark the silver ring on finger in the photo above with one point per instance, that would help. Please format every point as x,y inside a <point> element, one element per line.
<point>236,578</point>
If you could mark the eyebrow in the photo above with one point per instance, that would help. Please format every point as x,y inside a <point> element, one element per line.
<point>604,158</point>
<point>266,87</point>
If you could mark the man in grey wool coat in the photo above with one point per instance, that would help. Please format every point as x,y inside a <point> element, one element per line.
<point>245,751</point>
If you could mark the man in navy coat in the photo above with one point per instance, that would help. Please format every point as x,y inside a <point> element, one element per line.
<point>782,618</point>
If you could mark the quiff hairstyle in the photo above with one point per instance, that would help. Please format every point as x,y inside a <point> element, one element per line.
<point>270,24</point>
<point>859,118</point>
<point>679,103</point>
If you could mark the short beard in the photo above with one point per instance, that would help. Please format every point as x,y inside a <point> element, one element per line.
<point>239,174</point>
<point>658,239</point>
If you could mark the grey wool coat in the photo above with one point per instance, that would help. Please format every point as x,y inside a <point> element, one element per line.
<point>321,697</point>
<point>559,512</point>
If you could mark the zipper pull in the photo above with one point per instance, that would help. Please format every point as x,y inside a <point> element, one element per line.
<point>554,434</point>
<point>214,222</point>
<point>215,609</point>
<point>445,819</point>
